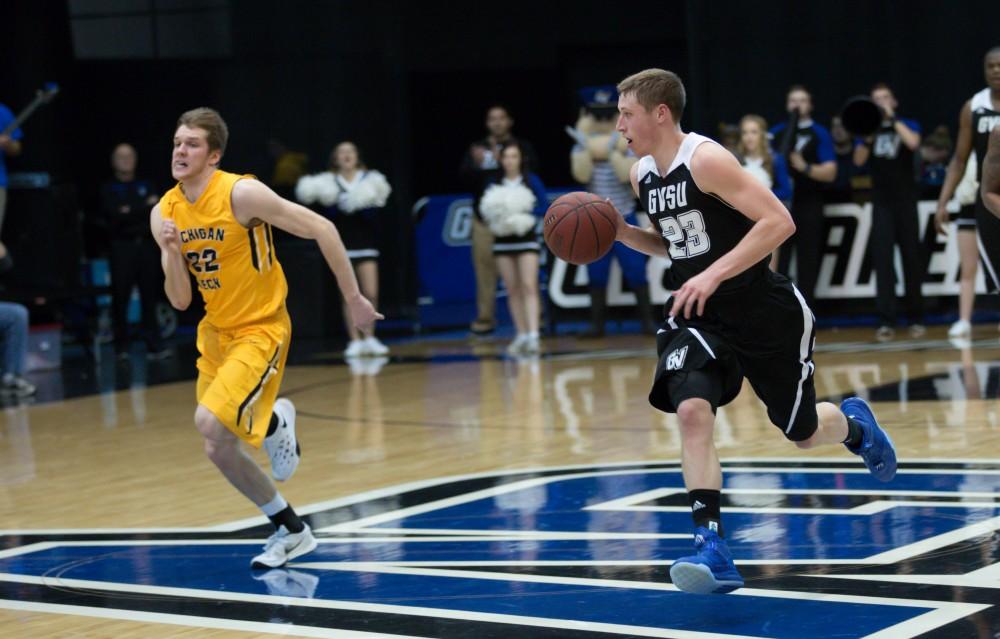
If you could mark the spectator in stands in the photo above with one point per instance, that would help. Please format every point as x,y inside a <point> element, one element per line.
<point>481,166</point>
<point>935,152</point>
<point>756,156</point>
<point>289,166</point>
<point>511,207</point>
<point>729,136</point>
<point>124,213</point>
<point>812,164</point>
<point>840,189</point>
<point>14,337</point>
<point>353,197</point>
<point>10,146</point>
<point>890,152</point>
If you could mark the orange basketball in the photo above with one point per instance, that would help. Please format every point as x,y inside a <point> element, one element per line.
<point>579,227</point>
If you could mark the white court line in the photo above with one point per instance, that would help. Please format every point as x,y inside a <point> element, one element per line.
<point>538,535</point>
<point>494,491</point>
<point>660,493</point>
<point>869,508</point>
<point>438,481</point>
<point>942,613</point>
<point>419,611</point>
<point>279,629</point>
<point>984,527</point>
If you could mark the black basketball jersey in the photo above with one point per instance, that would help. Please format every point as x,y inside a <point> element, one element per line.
<point>984,119</point>
<point>696,227</point>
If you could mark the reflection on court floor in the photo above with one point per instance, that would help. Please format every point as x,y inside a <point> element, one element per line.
<point>460,493</point>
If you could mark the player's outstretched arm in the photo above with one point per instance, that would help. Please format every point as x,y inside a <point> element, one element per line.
<point>716,171</point>
<point>254,202</point>
<point>177,282</point>
<point>646,241</point>
<point>991,174</point>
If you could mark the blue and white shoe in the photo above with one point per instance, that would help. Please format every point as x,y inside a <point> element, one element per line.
<point>876,448</point>
<point>710,569</point>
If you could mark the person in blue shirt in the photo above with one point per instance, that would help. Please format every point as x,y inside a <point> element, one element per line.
<point>813,165</point>
<point>10,146</point>
<point>894,212</point>
<point>512,206</point>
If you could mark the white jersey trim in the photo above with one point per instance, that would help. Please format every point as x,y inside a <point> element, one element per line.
<point>981,101</point>
<point>647,164</point>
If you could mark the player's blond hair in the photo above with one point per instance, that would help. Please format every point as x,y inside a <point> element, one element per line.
<point>209,120</point>
<point>653,87</point>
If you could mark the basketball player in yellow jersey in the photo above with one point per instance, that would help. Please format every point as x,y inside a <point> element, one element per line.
<point>217,226</point>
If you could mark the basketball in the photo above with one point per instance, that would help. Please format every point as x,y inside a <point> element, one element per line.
<point>579,227</point>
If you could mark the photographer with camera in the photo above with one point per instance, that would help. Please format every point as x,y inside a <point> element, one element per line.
<point>890,149</point>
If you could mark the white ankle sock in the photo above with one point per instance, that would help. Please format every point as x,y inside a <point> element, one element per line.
<point>274,506</point>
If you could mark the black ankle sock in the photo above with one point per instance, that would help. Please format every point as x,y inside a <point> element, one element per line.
<point>854,433</point>
<point>288,519</point>
<point>272,425</point>
<point>705,509</point>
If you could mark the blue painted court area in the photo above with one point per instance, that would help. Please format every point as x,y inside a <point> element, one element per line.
<point>561,506</point>
<point>214,568</point>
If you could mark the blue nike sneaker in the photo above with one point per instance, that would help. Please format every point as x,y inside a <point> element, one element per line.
<point>876,448</point>
<point>710,569</point>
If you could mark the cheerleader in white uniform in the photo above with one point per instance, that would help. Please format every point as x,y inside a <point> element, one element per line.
<point>512,207</point>
<point>351,196</point>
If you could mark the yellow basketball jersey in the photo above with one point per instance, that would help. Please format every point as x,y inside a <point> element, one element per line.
<point>236,268</point>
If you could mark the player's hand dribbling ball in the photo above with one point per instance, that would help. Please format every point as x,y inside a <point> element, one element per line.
<point>580,227</point>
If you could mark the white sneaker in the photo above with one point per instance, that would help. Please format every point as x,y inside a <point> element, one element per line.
<point>282,447</point>
<point>515,347</point>
<point>356,348</point>
<point>283,546</point>
<point>16,385</point>
<point>374,347</point>
<point>885,333</point>
<point>532,345</point>
<point>917,330</point>
<point>961,328</point>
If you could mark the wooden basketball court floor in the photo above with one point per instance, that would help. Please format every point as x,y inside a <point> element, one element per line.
<point>461,493</point>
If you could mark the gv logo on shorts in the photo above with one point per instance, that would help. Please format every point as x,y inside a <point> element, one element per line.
<point>675,360</point>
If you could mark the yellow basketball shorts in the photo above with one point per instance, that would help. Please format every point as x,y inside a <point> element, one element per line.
<point>240,371</point>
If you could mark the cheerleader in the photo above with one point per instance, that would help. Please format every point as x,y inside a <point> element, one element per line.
<point>351,196</point>
<point>511,206</point>
<point>769,168</point>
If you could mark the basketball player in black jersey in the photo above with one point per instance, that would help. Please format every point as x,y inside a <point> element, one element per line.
<point>989,189</point>
<point>979,116</point>
<point>729,316</point>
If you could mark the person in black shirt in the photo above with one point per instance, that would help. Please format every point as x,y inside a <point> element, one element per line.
<point>125,204</point>
<point>978,118</point>
<point>990,187</point>
<point>729,315</point>
<point>894,212</point>
<point>812,164</point>
<point>480,167</point>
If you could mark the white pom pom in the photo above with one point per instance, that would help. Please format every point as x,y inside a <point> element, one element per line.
<point>371,191</point>
<point>507,209</point>
<point>305,189</point>
<point>320,188</point>
<point>326,188</point>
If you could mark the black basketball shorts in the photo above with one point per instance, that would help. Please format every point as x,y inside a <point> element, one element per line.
<point>764,333</point>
